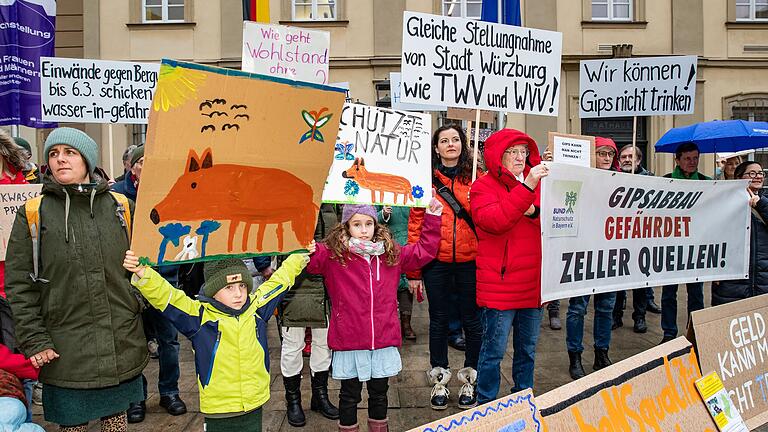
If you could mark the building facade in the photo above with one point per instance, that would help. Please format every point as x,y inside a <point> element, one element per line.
<point>730,38</point>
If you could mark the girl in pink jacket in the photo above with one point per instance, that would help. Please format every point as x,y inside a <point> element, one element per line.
<point>361,265</point>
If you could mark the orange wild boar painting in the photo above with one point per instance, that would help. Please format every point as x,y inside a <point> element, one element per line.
<point>204,181</point>
<point>226,173</point>
<point>379,182</point>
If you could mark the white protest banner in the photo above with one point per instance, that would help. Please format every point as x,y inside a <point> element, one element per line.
<point>572,149</point>
<point>637,86</point>
<point>395,92</point>
<point>96,91</point>
<point>11,198</point>
<point>605,231</point>
<point>382,156</point>
<point>293,53</point>
<point>466,63</point>
<point>732,340</point>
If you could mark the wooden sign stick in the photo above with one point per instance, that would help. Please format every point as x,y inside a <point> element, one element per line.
<point>634,143</point>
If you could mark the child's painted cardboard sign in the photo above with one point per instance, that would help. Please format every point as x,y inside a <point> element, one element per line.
<point>293,53</point>
<point>11,198</point>
<point>514,413</point>
<point>234,166</point>
<point>382,156</point>
<point>735,345</point>
<point>653,390</point>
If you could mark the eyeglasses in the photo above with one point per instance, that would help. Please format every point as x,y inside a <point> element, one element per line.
<point>517,152</point>
<point>605,154</point>
<point>754,174</point>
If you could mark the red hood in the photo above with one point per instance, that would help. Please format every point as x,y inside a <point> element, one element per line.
<point>603,142</point>
<point>498,143</point>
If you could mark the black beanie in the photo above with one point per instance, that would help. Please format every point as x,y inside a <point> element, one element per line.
<point>219,274</point>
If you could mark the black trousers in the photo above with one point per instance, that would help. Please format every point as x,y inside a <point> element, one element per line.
<point>639,304</point>
<point>350,396</point>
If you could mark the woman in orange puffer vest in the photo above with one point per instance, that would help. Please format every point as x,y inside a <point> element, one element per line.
<point>453,272</point>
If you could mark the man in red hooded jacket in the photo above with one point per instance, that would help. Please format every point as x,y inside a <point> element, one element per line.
<point>505,209</point>
<point>606,157</point>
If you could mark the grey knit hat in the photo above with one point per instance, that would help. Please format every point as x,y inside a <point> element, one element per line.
<point>76,139</point>
<point>350,210</point>
<point>219,274</point>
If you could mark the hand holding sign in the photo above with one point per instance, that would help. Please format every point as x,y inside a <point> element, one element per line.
<point>753,199</point>
<point>535,174</point>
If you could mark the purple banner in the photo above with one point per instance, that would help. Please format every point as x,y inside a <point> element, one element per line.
<point>27,30</point>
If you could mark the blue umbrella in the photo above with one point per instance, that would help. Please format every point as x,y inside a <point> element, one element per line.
<point>717,136</point>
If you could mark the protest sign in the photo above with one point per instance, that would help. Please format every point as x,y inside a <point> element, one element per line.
<point>220,161</point>
<point>572,149</point>
<point>395,92</point>
<point>731,340</point>
<point>653,390</point>
<point>96,91</point>
<point>11,198</point>
<point>606,231</point>
<point>343,85</point>
<point>514,413</point>
<point>293,53</point>
<point>467,63</point>
<point>637,86</point>
<point>719,404</point>
<point>27,32</point>
<point>382,156</point>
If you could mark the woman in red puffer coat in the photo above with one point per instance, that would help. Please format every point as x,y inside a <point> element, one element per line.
<point>505,208</point>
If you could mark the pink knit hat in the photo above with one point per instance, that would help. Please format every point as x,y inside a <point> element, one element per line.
<point>352,209</point>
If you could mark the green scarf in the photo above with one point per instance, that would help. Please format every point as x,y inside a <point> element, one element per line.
<point>677,173</point>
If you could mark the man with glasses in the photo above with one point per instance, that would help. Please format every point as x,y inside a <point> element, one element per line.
<point>642,298</point>
<point>687,168</point>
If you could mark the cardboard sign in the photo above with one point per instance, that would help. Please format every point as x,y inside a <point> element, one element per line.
<point>570,149</point>
<point>471,115</point>
<point>468,63</point>
<point>96,91</point>
<point>396,91</point>
<point>293,53</point>
<point>731,340</point>
<point>228,174</point>
<point>719,404</point>
<point>513,413</point>
<point>637,86</point>
<point>11,198</point>
<point>651,391</point>
<point>382,156</point>
<point>605,231</point>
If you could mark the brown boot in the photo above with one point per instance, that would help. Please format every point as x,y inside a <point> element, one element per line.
<point>353,428</point>
<point>405,326</point>
<point>378,425</point>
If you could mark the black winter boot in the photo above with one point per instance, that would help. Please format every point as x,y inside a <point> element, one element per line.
<point>575,368</point>
<point>293,401</point>
<point>601,359</point>
<point>320,400</point>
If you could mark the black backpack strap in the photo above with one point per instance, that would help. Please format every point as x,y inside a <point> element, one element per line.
<point>447,194</point>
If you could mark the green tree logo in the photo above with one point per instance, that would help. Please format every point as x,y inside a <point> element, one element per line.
<point>570,201</point>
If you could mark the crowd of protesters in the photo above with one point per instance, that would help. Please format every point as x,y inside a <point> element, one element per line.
<point>79,314</point>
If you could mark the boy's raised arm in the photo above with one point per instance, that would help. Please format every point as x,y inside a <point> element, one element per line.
<point>183,312</point>
<point>282,279</point>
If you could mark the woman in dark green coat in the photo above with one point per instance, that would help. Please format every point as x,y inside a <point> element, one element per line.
<point>77,317</point>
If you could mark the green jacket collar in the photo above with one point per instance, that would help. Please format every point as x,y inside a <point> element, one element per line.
<point>677,173</point>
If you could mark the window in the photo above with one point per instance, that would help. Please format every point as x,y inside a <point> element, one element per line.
<point>463,8</point>
<point>162,11</point>
<point>138,134</point>
<point>612,10</point>
<point>752,10</point>
<point>314,10</point>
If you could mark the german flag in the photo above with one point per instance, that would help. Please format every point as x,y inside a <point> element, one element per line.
<point>256,10</point>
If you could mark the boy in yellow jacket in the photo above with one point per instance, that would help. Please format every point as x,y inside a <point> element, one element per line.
<point>228,331</point>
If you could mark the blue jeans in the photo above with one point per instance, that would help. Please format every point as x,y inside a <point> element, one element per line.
<point>168,351</point>
<point>669,305</point>
<point>443,281</point>
<point>574,322</point>
<point>496,327</point>
<point>29,387</point>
